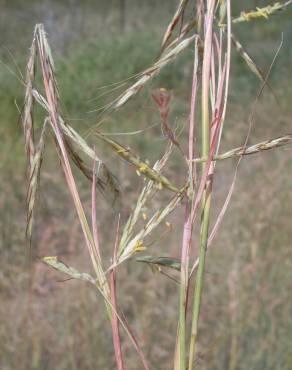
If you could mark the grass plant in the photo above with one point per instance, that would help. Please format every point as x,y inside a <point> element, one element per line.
<point>209,34</point>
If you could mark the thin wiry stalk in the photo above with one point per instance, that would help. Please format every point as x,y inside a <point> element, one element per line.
<point>187,234</point>
<point>115,320</point>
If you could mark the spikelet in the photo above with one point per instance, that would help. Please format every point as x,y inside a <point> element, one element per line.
<point>27,116</point>
<point>249,61</point>
<point>175,19</point>
<point>253,149</point>
<point>168,262</point>
<point>141,201</point>
<point>157,218</point>
<point>58,265</point>
<point>149,73</point>
<point>106,180</point>
<point>185,30</point>
<point>35,168</point>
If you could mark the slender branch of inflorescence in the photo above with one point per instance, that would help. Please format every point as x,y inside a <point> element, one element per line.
<point>264,12</point>
<point>253,149</point>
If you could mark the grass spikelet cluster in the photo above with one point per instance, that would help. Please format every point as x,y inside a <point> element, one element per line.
<point>253,149</point>
<point>27,116</point>
<point>263,12</point>
<point>141,166</point>
<point>35,167</point>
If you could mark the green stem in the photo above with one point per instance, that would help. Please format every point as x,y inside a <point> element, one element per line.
<point>182,326</point>
<point>206,202</point>
<point>183,287</point>
<point>200,273</point>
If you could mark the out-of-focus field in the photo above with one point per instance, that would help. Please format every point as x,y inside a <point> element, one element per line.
<point>246,313</point>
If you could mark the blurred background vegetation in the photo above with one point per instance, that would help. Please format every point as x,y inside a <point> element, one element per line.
<point>246,315</point>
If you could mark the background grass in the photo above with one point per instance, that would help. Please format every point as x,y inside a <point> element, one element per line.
<point>246,313</point>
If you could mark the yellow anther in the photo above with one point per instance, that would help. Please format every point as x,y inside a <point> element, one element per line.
<point>262,13</point>
<point>246,16</point>
<point>50,259</point>
<point>139,247</point>
<point>143,168</point>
